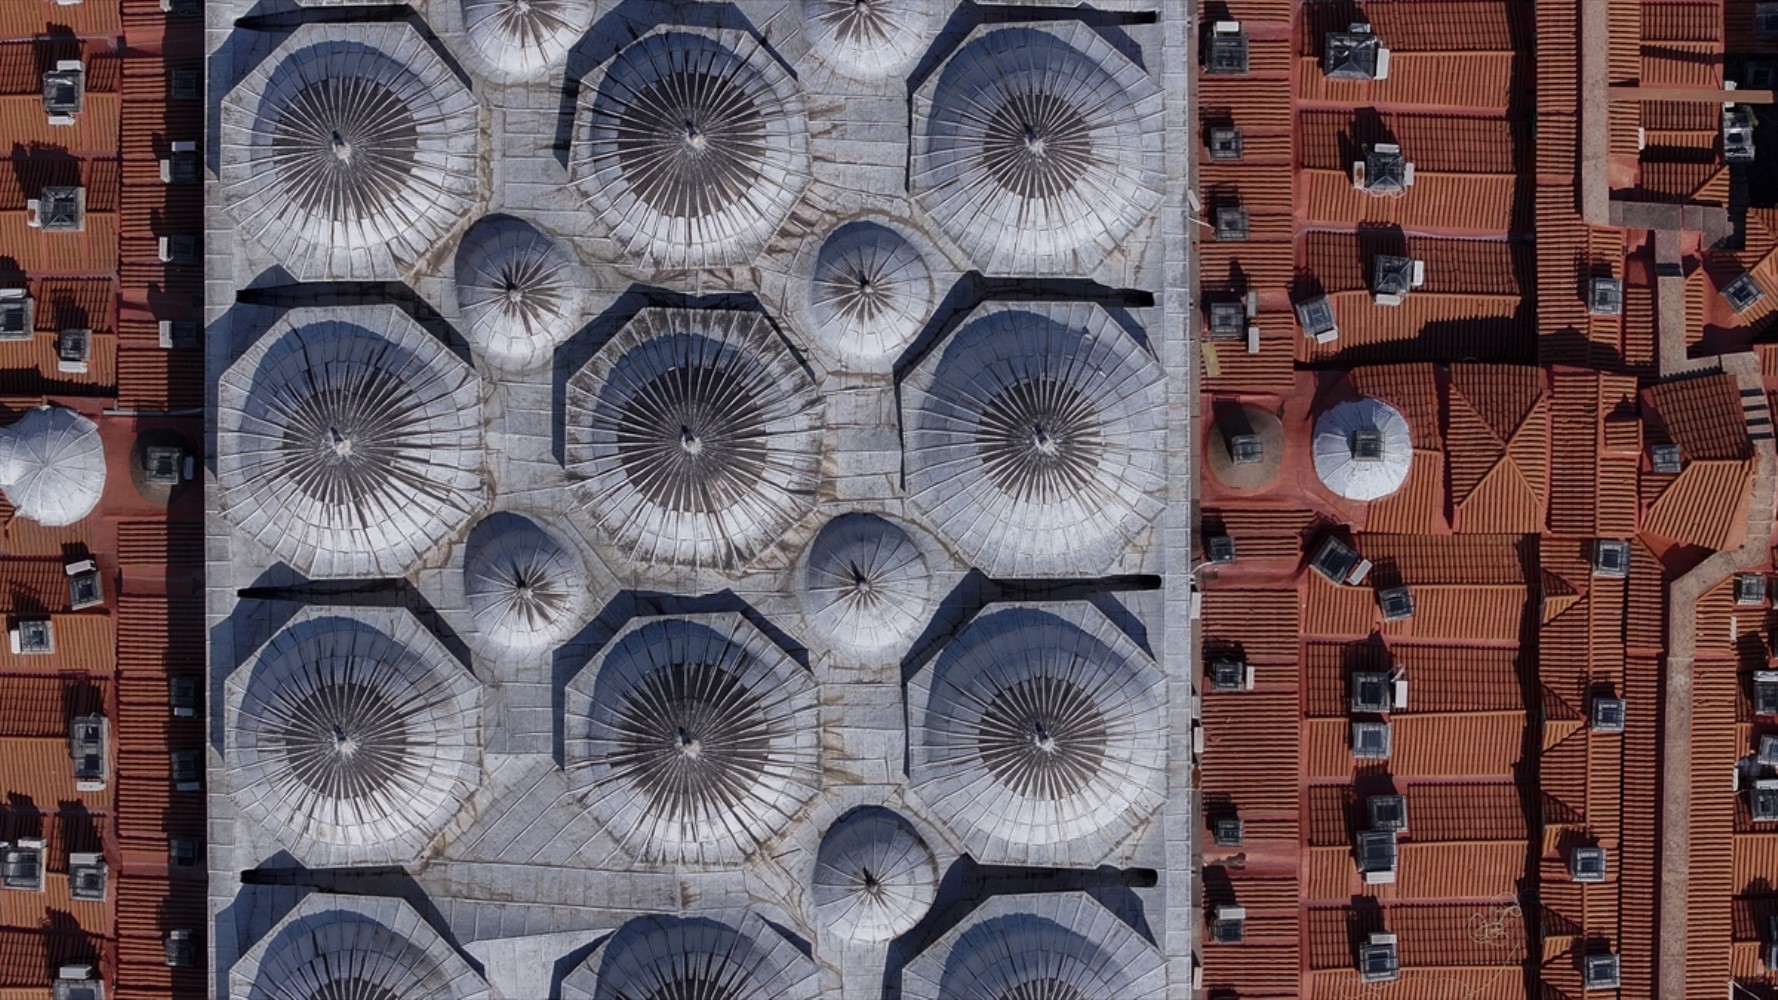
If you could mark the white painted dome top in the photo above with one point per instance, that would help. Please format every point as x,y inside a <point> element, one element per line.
<point>875,877</point>
<point>1053,946</point>
<point>342,947</point>
<point>1363,449</point>
<point>661,957</point>
<point>52,465</point>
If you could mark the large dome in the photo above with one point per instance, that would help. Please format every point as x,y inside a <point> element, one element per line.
<point>525,37</point>
<point>866,587</point>
<point>874,876</point>
<point>694,739</point>
<point>52,465</point>
<point>1039,148</point>
<point>518,291</point>
<point>869,294</point>
<point>1040,735</point>
<point>526,589</point>
<point>350,448</point>
<point>661,957</point>
<point>870,39</point>
<point>693,146</point>
<point>1038,947</point>
<point>1036,439</point>
<point>350,151</point>
<point>353,739</point>
<point>698,435</point>
<point>339,947</point>
<point>1363,449</point>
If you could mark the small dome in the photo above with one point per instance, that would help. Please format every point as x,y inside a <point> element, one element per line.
<point>661,957</point>
<point>350,151</point>
<point>694,739</point>
<point>1246,447</point>
<point>698,435</point>
<point>1040,735</point>
<point>353,739</point>
<point>52,465</point>
<point>693,146</point>
<point>1039,148</point>
<point>526,589</point>
<point>518,290</point>
<point>350,448</point>
<point>1055,946</point>
<point>341,947</point>
<point>1363,449</point>
<point>525,37</point>
<point>874,877</point>
<point>870,39</point>
<point>866,586</point>
<point>870,292</point>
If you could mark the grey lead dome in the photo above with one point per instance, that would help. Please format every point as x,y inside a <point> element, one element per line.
<point>866,587</point>
<point>340,947</point>
<point>1038,947</point>
<point>52,465</point>
<point>526,589</point>
<point>660,957</point>
<point>870,293</point>
<point>525,37</point>
<point>875,877</point>
<point>518,290</point>
<point>870,39</point>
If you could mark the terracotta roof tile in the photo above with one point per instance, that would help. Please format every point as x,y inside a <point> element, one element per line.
<point>1455,203</point>
<point>1469,743</point>
<point>1418,507</point>
<point>1261,534</point>
<point>1264,623</point>
<point>1469,80</point>
<point>1483,267</point>
<point>1253,970</point>
<point>1704,505</point>
<point>1460,870</point>
<point>1441,143</point>
<point>1426,326</point>
<point>1248,752</point>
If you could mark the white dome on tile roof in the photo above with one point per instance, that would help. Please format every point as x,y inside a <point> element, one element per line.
<point>525,37</point>
<point>1040,736</point>
<point>518,290</point>
<point>866,587</point>
<point>692,144</point>
<point>659,957</point>
<point>874,876</point>
<point>525,588</point>
<point>1036,439</point>
<point>870,292</point>
<point>694,739</point>
<point>870,39</point>
<point>52,465</point>
<point>1055,946</point>
<point>1039,148</point>
<point>353,739</point>
<point>698,435</point>
<point>1363,449</point>
<point>350,151</point>
<point>340,947</point>
<point>349,447</point>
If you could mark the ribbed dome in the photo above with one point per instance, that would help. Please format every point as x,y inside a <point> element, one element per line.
<point>870,292</point>
<point>526,589</point>
<point>1036,439</point>
<point>693,146</point>
<point>519,292</point>
<point>525,37</point>
<point>694,739</point>
<point>350,151</point>
<point>866,587</point>
<point>870,39</point>
<point>340,947</point>
<point>694,958</point>
<point>353,740</point>
<point>1038,947</point>
<point>1363,449</point>
<point>350,448</point>
<point>52,465</point>
<point>874,876</point>
<point>1039,149</point>
<point>698,435</point>
<point>1040,734</point>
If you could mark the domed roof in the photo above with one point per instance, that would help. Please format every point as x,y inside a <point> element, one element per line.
<point>693,145</point>
<point>1036,439</point>
<point>874,876</point>
<point>350,448</point>
<point>870,39</point>
<point>349,151</point>
<point>353,739</point>
<point>526,589</point>
<point>1039,148</point>
<point>866,586</point>
<point>518,290</point>
<point>698,435</point>
<point>525,37</point>
<point>1040,735</point>
<point>1054,946</point>
<point>695,739</point>
<point>341,947</point>
<point>870,292</point>
<point>660,957</point>
<point>1362,449</point>
<point>52,465</point>
<point>1245,449</point>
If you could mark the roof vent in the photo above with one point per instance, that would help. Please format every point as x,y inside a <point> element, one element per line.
<point>1743,293</point>
<point>1247,449</point>
<point>1765,692</point>
<point>64,91</point>
<point>1228,831</point>
<point>1225,50</point>
<point>1605,296</point>
<point>1376,856</point>
<point>33,638</point>
<point>180,248</point>
<point>1611,557</point>
<point>1666,459</point>
<point>1228,320</point>
<point>1316,317</point>
<point>21,865</point>
<point>1388,813</point>
<point>182,695</point>
<point>1378,961</point>
<point>1750,590</point>
<point>181,949</point>
<point>1230,925</point>
<point>16,314</point>
<point>76,982</point>
<point>1339,562</point>
<point>179,333</point>
<point>1765,800</point>
<point>1355,54</point>
<point>1397,603</point>
<point>161,464</point>
<point>1607,715</point>
<point>1220,549</point>
<point>1365,444</point>
<point>1229,674</point>
<point>1587,864</point>
<point>1231,224</point>
<point>57,210</point>
<point>184,84</point>
<point>87,876</point>
<point>1770,952</point>
<point>1393,277</point>
<point>1225,142</point>
<point>1372,693</point>
<point>1737,135</point>
<point>1383,171</point>
<point>88,745</point>
<point>84,589</point>
<point>1768,751</point>
<point>73,349</point>
<point>187,770</point>
<point>181,165</point>
<point>1599,972</point>
<point>1370,740</point>
<point>182,852</point>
